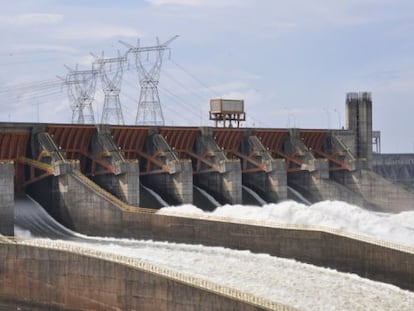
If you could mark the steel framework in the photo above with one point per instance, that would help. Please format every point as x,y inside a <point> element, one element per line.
<point>149,110</point>
<point>81,90</point>
<point>111,72</point>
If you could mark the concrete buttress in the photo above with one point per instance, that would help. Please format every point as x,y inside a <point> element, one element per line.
<point>217,174</point>
<point>115,174</point>
<point>313,172</point>
<point>7,198</point>
<point>173,180</point>
<point>263,174</point>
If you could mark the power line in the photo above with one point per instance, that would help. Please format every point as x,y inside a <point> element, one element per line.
<point>194,78</point>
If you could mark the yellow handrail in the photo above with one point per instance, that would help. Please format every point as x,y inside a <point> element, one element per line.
<point>37,164</point>
<point>85,180</point>
<point>110,197</point>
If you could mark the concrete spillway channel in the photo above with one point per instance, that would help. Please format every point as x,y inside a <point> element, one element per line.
<point>141,285</point>
<point>140,274</point>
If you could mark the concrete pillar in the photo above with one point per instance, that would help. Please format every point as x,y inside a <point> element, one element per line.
<point>359,120</point>
<point>174,181</point>
<point>124,182</point>
<point>314,172</point>
<point>271,182</point>
<point>310,182</point>
<point>224,180</point>
<point>7,198</point>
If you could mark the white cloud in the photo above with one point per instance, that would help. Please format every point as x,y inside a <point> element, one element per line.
<point>226,88</point>
<point>194,3</point>
<point>98,32</point>
<point>175,2</point>
<point>250,96</point>
<point>30,19</point>
<point>43,47</point>
<point>396,86</point>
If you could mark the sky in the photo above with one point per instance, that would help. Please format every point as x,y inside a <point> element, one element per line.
<point>291,61</point>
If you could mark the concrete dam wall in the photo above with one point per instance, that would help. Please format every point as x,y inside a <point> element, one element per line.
<point>220,162</point>
<point>38,272</point>
<point>398,168</point>
<point>96,180</point>
<point>129,162</point>
<point>319,246</point>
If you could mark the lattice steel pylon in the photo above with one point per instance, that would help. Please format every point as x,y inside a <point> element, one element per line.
<point>149,110</point>
<point>81,91</point>
<point>111,71</point>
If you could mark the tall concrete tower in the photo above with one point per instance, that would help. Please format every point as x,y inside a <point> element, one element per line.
<point>359,119</point>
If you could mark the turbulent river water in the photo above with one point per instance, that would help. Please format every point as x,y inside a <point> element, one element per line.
<point>301,285</point>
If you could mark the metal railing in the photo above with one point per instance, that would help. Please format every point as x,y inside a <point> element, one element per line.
<point>37,164</point>
<point>355,96</point>
<point>108,196</point>
<point>86,181</point>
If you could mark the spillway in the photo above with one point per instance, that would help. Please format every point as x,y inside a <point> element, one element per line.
<point>395,228</point>
<point>297,196</point>
<point>203,199</point>
<point>282,280</point>
<point>151,199</point>
<point>251,196</point>
<point>31,219</point>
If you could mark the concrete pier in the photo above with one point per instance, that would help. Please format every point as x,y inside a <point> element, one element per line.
<point>6,198</point>
<point>215,173</point>
<point>111,171</point>
<point>260,172</point>
<point>174,180</point>
<point>312,174</point>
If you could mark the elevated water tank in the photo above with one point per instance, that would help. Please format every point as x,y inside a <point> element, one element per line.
<point>227,111</point>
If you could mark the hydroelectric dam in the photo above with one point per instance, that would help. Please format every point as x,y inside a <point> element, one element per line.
<point>107,180</point>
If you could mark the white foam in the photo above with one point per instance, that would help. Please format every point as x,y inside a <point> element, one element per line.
<point>283,280</point>
<point>20,232</point>
<point>396,228</point>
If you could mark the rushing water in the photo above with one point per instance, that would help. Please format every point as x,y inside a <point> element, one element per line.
<point>396,228</point>
<point>283,280</point>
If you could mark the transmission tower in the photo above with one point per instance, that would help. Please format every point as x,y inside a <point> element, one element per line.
<point>149,110</point>
<point>81,91</point>
<point>111,70</point>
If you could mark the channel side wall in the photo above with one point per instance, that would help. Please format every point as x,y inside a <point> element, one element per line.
<point>371,259</point>
<point>81,208</point>
<point>328,248</point>
<point>68,280</point>
<point>7,198</point>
